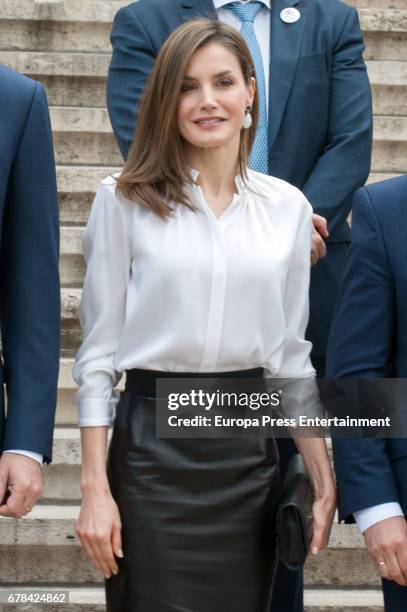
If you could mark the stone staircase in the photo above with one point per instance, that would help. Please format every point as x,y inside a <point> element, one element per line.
<point>65,44</point>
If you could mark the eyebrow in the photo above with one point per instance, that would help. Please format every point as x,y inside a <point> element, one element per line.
<point>216,76</point>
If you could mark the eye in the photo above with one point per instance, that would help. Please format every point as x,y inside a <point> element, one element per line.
<point>225,82</point>
<point>188,87</point>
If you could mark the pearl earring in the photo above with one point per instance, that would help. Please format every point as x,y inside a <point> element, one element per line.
<point>247,121</point>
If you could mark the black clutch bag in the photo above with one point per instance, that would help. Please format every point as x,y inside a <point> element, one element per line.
<point>294,515</point>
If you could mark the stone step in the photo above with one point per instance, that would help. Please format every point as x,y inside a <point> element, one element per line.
<point>81,599</point>
<point>71,79</point>
<point>92,599</point>
<point>75,207</point>
<point>343,600</point>
<point>389,86</point>
<point>62,476</point>
<point>73,25</point>
<point>42,548</point>
<point>375,4</point>
<point>78,79</point>
<point>77,186</point>
<point>66,11</point>
<point>66,413</point>
<point>374,16</point>
<point>82,136</point>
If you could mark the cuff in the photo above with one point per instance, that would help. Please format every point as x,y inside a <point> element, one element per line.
<point>369,516</point>
<point>95,412</point>
<point>37,456</point>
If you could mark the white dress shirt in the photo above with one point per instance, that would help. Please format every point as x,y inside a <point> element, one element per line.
<point>31,454</point>
<point>261,29</point>
<point>366,517</point>
<point>370,516</point>
<point>194,293</point>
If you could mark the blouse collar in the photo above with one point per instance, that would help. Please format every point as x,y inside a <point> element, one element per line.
<point>254,185</point>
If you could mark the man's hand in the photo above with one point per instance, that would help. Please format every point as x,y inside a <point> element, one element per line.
<point>21,484</point>
<point>387,544</point>
<point>319,234</point>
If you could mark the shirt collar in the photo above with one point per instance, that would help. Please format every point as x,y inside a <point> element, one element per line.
<point>221,3</point>
<point>257,189</point>
<point>241,187</point>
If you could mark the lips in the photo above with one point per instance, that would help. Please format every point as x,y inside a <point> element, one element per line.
<point>208,121</point>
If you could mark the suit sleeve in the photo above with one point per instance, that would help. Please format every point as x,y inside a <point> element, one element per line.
<point>360,345</point>
<point>344,164</point>
<point>132,60</point>
<point>29,287</point>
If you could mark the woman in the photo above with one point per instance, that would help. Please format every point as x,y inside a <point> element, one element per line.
<point>195,266</point>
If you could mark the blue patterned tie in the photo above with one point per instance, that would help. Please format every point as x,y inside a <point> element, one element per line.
<point>247,13</point>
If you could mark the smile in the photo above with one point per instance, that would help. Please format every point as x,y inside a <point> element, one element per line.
<point>209,122</point>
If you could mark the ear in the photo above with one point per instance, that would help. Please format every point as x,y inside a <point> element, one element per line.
<point>251,88</point>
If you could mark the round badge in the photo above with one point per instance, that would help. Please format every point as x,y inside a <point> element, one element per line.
<point>290,15</point>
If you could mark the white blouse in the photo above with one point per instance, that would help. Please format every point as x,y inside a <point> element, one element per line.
<point>194,293</point>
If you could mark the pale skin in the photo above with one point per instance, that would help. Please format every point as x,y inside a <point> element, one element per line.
<point>214,90</point>
<point>387,541</point>
<point>21,484</point>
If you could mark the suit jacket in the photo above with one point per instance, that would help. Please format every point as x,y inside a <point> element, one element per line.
<point>29,282</point>
<point>369,335</point>
<point>320,124</point>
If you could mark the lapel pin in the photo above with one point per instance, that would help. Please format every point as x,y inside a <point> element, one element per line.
<point>290,15</point>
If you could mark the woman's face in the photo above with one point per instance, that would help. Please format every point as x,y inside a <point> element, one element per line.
<point>213,98</point>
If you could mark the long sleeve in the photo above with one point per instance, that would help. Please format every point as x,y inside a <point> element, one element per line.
<point>345,163</point>
<point>37,456</point>
<point>102,311</point>
<point>295,362</point>
<point>370,516</point>
<point>132,60</point>
<point>29,286</point>
<point>360,346</point>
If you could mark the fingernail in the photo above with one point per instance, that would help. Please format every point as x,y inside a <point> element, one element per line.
<point>315,550</point>
<point>120,553</point>
<point>115,572</point>
<point>107,576</point>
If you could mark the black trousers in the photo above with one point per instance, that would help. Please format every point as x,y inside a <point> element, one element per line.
<point>197,515</point>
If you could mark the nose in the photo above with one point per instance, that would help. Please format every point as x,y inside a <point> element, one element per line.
<point>208,98</point>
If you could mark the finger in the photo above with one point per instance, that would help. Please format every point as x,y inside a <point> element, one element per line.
<point>321,249</point>
<point>117,540</point>
<point>392,567</point>
<point>85,538</point>
<point>3,486</point>
<point>31,497</point>
<point>106,548</point>
<point>402,559</point>
<point>87,549</point>
<point>105,555</point>
<point>14,507</point>
<point>319,245</point>
<point>98,561</point>
<point>319,537</point>
<point>321,225</point>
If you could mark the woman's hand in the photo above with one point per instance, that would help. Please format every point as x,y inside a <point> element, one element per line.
<point>315,455</point>
<point>323,512</point>
<point>99,530</point>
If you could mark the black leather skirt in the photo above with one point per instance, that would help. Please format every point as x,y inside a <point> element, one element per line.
<point>197,515</point>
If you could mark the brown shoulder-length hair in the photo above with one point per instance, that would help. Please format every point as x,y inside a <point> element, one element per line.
<point>156,173</point>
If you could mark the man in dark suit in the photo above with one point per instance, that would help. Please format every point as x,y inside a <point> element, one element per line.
<point>29,291</point>
<point>319,122</point>
<point>369,340</point>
